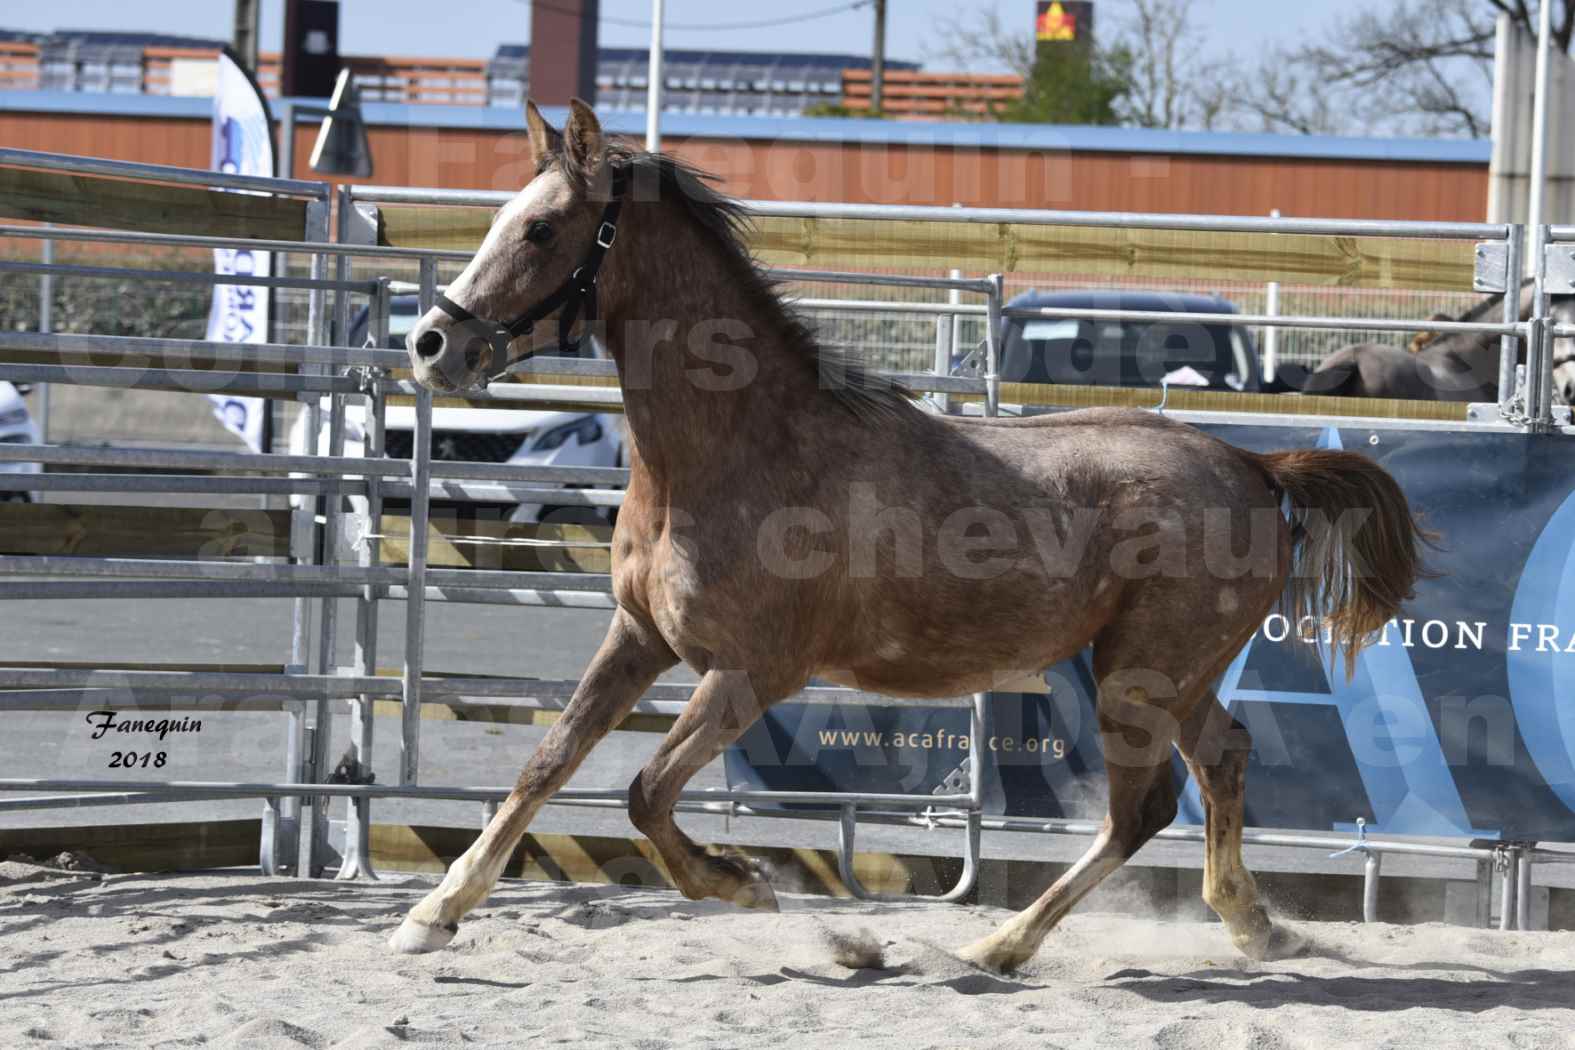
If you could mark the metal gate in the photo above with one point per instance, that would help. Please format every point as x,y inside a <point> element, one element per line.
<point>338,523</point>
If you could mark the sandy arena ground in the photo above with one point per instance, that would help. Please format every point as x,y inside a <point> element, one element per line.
<point>240,961</point>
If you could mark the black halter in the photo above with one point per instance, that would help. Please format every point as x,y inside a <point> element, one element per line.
<point>575,296</point>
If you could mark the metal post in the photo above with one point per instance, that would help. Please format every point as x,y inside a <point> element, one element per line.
<point>1523,862</point>
<point>267,861</point>
<point>653,88</point>
<point>979,727</point>
<point>992,345</point>
<point>285,846</point>
<point>357,861</point>
<point>415,602</point>
<point>878,60</point>
<point>287,139</point>
<point>332,505</point>
<point>1509,346</point>
<point>973,823</point>
<point>1507,887</point>
<point>245,34</point>
<point>1271,335</point>
<point>1539,347</point>
<point>46,324</point>
<point>1484,894</point>
<point>1539,359</point>
<point>416,591</point>
<point>1372,869</point>
<point>1539,117</point>
<point>952,337</point>
<point>943,356</point>
<point>314,835</point>
<point>426,294</point>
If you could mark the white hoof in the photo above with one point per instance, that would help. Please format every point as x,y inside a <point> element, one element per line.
<point>416,938</point>
<point>757,896</point>
<point>989,953</point>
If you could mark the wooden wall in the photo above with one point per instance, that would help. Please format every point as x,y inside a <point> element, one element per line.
<point>860,173</point>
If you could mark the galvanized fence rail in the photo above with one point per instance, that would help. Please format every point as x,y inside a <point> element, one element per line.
<point>349,494</point>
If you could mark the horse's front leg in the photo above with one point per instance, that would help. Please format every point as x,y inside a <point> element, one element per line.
<point>724,705</point>
<point>630,658</point>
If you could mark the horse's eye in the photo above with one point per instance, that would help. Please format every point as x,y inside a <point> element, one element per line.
<point>538,232</point>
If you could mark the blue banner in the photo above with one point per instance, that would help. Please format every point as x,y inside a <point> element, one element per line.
<point>1459,722</point>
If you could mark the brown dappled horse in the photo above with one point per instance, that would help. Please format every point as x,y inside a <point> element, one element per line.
<point>789,516</point>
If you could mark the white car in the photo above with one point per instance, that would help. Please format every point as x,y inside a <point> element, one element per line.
<point>484,435</point>
<point>16,428</point>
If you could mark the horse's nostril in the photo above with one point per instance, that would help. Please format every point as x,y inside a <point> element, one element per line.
<point>473,356</point>
<point>429,344</point>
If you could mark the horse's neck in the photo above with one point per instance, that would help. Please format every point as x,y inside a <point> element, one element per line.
<point>1473,344</point>
<point>704,370</point>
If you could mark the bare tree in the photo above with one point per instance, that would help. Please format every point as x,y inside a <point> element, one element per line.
<point>974,39</point>
<point>1172,84</point>
<point>1278,96</point>
<point>1419,67</point>
<point>1413,66</point>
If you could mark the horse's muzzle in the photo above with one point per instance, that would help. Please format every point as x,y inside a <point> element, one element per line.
<point>445,357</point>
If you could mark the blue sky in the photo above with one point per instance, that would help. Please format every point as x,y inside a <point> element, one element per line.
<point>475,27</point>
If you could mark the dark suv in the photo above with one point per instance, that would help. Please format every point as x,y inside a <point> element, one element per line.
<point>1085,352</point>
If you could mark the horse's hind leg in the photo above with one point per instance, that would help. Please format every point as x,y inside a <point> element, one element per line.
<point>1137,736</point>
<point>1216,748</point>
<point>722,707</point>
<point>630,658</point>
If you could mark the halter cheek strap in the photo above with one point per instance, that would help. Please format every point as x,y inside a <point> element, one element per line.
<point>573,299</point>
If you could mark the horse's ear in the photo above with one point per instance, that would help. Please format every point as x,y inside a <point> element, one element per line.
<point>582,138</point>
<point>544,139</point>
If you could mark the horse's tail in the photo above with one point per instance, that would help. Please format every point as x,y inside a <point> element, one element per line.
<point>1355,546</point>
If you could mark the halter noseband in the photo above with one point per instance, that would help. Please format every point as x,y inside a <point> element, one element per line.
<point>575,296</point>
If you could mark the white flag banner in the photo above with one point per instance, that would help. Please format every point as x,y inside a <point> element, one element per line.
<point>243,145</point>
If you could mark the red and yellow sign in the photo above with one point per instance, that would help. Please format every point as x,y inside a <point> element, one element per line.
<point>1063,20</point>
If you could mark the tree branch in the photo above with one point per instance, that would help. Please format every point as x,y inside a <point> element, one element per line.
<point>1405,67</point>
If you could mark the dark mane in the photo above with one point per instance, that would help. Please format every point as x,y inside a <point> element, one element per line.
<point>842,377</point>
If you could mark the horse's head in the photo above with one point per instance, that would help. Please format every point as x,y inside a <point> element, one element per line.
<point>1422,340</point>
<point>532,266</point>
